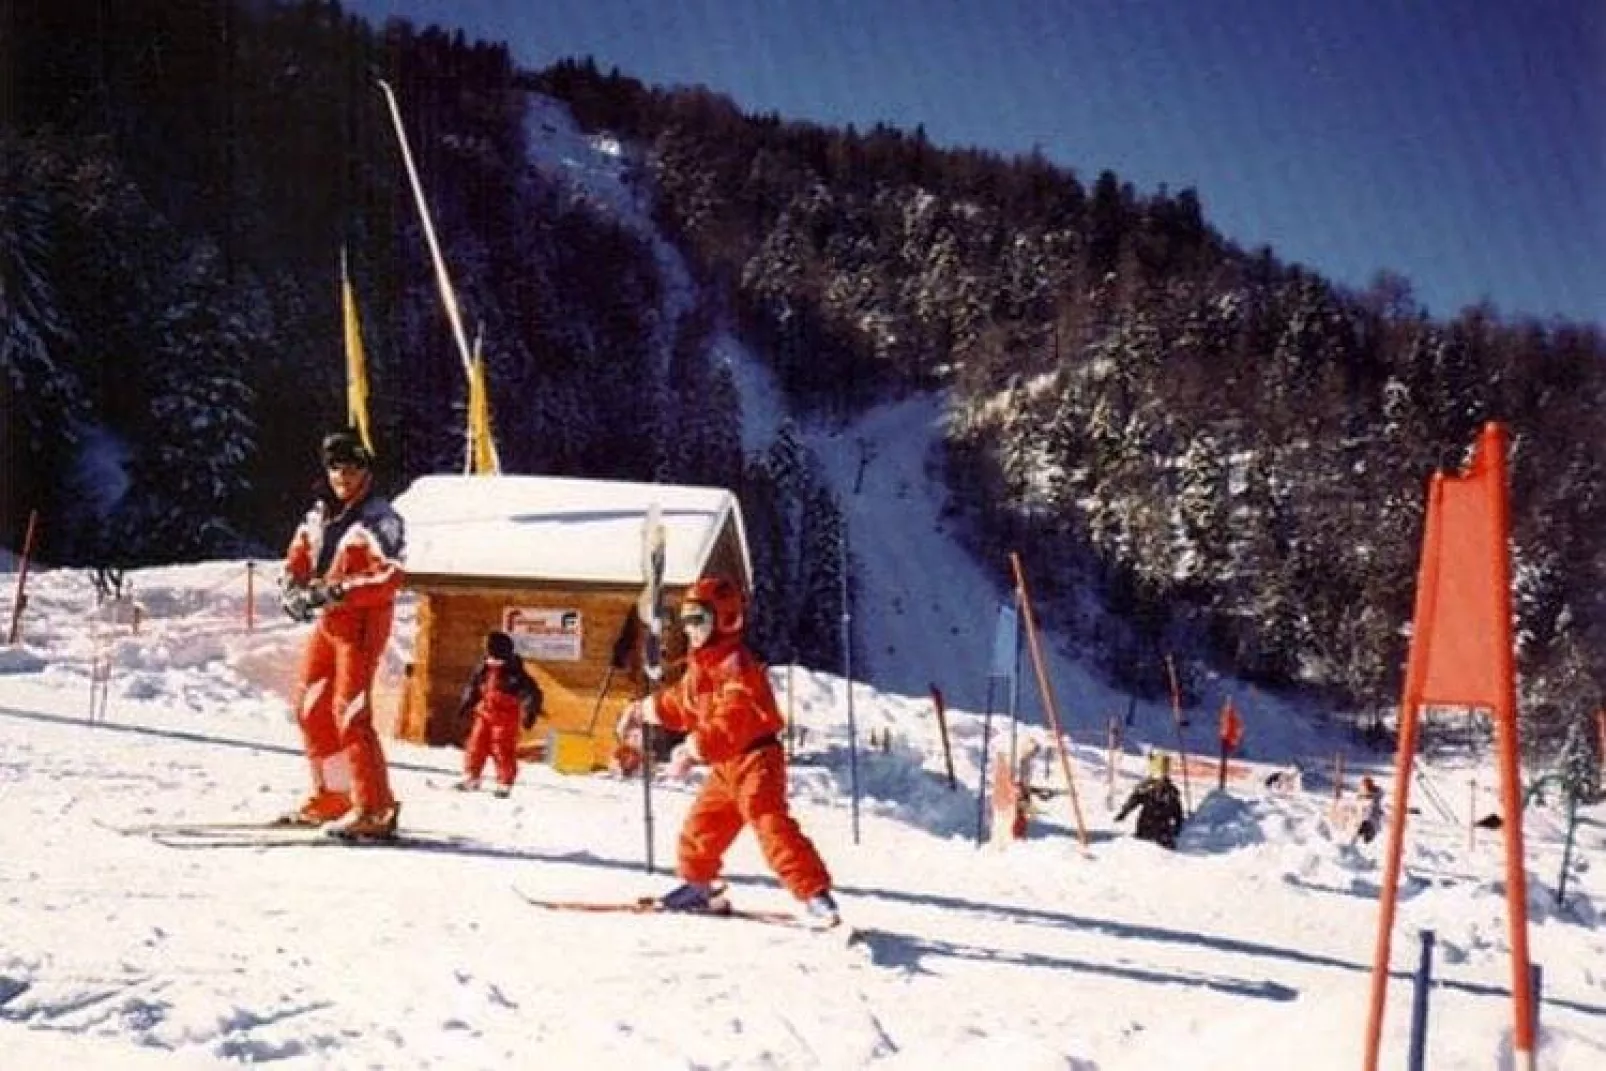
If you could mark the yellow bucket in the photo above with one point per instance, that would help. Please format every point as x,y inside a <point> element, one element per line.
<point>572,751</point>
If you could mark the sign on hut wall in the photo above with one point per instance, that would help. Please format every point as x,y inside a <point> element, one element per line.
<point>545,634</point>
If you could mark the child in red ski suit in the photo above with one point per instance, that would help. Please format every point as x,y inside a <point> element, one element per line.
<point>725,705</point>
<point>342,571</point>
<point>502,697</point>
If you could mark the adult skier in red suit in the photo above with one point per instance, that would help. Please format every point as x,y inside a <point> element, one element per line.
<point>725,705</point>
<point>342,572</point>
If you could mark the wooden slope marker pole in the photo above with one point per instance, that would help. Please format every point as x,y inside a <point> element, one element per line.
<point>1047,690</point>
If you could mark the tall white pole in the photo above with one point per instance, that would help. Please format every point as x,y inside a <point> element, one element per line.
<point>448,296</point>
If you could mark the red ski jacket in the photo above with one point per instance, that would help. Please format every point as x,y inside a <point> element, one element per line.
<point>724,701</point>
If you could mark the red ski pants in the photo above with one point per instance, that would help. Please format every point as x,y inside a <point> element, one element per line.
<point>496,736</point>
<point>334,708</point>
<point>750,790</point>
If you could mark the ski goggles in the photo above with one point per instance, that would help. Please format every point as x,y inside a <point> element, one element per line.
<point>697,617</point>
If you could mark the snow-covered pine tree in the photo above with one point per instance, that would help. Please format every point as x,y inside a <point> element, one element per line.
<point>190,469</point>
<point>769,617</point>
<point>818,600</point>
<point>1579,767</point>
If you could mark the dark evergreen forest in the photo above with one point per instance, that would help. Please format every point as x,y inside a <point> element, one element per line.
<point>1199,449</point>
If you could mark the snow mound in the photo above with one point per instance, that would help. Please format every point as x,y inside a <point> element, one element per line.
<point>15,658</point>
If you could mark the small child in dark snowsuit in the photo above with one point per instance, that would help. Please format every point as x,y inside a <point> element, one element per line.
<point>502,696</point>
<point>1158,803</point>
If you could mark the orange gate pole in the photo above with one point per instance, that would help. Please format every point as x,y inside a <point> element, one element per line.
<point>1049,705</point>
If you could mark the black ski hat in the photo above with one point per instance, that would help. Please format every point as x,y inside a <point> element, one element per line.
<point>499,645</point>
<point>345,448</point>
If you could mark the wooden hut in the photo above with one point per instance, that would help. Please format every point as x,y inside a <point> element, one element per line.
<point>556,563</point>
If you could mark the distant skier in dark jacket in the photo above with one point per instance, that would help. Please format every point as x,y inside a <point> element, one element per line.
<point>1158,804</point>
<point>502,697</point>
<point>1370,800</point>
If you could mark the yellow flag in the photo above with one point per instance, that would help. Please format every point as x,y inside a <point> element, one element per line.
<point>482,457</point>
<point>356,372</point>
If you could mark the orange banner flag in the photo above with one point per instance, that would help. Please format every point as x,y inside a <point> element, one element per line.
<point>1468,635</point>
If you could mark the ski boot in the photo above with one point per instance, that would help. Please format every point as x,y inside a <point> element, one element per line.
<point>822,911</point>
<point>322,807</point>
<point>365,825</point>
<point>695,898</point>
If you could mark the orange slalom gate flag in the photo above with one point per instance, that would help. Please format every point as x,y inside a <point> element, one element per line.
<point>1462,658</point>
<point>356,366</point>
<point>1462,655</point>
<point>1232,726</point>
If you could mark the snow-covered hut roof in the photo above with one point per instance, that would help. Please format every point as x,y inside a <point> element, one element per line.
<point>551,528</point>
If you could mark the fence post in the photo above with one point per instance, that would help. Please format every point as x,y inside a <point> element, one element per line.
<point>941,709</point>
<point>21,598</point>
<point>1419,1004</point>
<point>250,596</point>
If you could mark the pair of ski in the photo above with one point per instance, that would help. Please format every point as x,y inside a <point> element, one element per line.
<point>272,833</point>
<point>650,905</point>
<point>491,788</point>
<point>276,833</point>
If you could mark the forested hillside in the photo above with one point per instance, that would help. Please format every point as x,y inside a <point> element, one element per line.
<point>179,181</point>
<point>1201,450</point>
<point>1230,452</point>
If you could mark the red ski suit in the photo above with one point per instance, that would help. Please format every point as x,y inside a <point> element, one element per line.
<point>501,699</point>
<point>360,550</point>
<point>725,702</point>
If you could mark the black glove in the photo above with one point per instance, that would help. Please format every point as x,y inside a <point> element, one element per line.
<point>303,601</point>
<point>296,600</point>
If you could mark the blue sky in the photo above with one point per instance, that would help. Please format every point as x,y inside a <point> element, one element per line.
<point>1461,143</point>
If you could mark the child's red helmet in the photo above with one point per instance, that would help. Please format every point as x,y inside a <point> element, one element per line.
<point>722,597</point>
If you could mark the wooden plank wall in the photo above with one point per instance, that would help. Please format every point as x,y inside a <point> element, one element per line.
<point>454,615</point>
<point>451,626</point>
